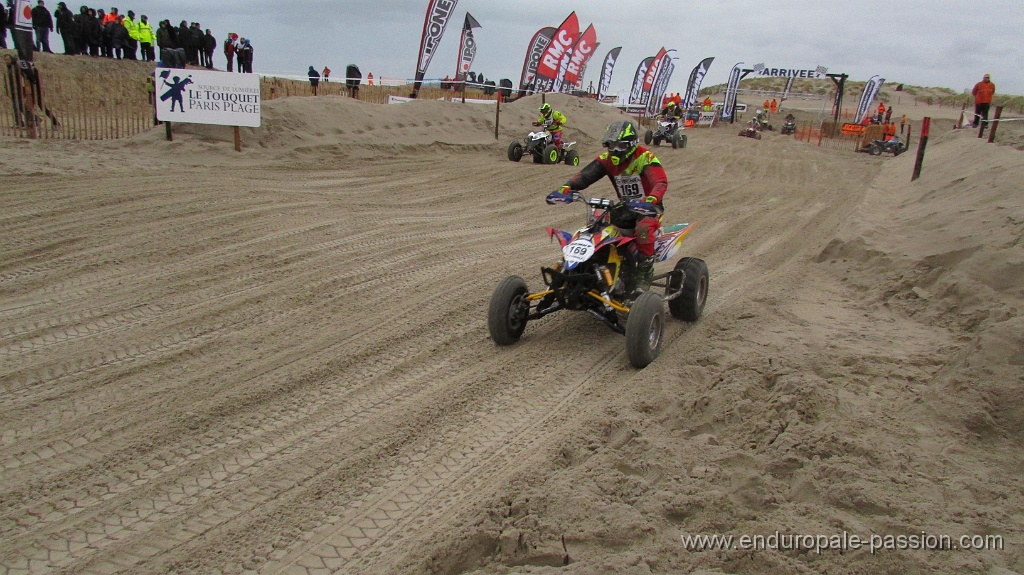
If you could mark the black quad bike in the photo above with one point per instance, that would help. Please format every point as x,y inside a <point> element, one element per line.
<point>669,130</point>
<point>540,145</point>
<point>893,146</point>
<point>595,275</point>
<point>788,127</point>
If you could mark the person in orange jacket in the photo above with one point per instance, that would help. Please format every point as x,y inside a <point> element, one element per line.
<point>889,131</point>
<point>881,112</point>
<point>982,92</point>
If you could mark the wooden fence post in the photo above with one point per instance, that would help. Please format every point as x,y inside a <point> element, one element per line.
<point>920,148</point>
<point>995,124</point>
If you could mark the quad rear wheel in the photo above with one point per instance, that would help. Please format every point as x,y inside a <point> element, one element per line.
<point>645,327</point>
<point>694,287</point>
<point>506,315</point>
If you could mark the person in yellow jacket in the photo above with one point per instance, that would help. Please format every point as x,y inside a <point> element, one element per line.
<point>146,38</point>
<point>552,120</point>
<point>129,23</point>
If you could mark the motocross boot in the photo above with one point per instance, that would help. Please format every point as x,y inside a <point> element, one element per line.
<point>644,273</point>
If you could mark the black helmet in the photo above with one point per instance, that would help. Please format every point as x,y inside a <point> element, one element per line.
<point>621,139</point>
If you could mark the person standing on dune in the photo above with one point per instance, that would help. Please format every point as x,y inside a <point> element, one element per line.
<point>982,92</point>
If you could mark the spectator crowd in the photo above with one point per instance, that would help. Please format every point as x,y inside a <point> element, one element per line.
<point>99,33</point>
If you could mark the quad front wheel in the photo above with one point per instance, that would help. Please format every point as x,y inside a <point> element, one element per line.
<point>645,326</point>
<point>694,287</point>
<point>515,151</point>
<point>551,154</point>
<point>648,136</point>
<point>506,315</point>
<point>679,141</point>
<point>572,158</point>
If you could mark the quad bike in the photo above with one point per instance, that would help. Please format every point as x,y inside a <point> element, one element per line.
<point>788,127</point>
<point>668,130</point>
<point>593,275</point>
<point>751,130</point>
<point>894,146</point>
<point>540,145</point>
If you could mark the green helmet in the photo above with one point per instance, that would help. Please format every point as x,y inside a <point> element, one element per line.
<point>621,139</point>
<point>545,109</point>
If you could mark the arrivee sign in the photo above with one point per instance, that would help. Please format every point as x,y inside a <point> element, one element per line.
<point>204,97</point>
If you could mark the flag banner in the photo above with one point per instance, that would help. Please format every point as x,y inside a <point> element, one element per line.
<point>648,85</point>
<point>549,67</point>
<point>436,20</point>
<point>467,47</point>
<point>693,84</point>
<point>730,90</point>
<point>660,84</point>
<point>789,86</point>
<point>534,51</point>
<point>638,80</point>
<point>581,52</point>
<point>583,71</point>
<point>606,71</point>
<point>871,89</point>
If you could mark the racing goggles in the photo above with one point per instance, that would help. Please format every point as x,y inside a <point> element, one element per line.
<point>618,146</point>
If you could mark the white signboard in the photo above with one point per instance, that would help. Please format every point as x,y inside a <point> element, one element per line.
<point>22,15</point>
<point>204,97</point>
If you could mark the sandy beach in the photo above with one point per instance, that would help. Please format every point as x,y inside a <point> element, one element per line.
<point>277,361</point>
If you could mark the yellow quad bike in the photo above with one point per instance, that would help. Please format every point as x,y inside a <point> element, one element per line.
<point>589,277</point>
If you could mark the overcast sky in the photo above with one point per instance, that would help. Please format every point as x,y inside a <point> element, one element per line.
<point>947,43</point>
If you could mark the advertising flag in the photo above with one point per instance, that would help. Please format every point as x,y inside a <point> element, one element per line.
<point>636,91</point>
<point>467,46</point>
<point>549,67</point>
<point>731,90</point>
<point>606,71</point>
<point>870,91</point>
<point>693,84</point>
<point>581,52</point>
<point>436,20</point>
<point>660,84</point>
<point>537,46</point>
<point>652,71</point>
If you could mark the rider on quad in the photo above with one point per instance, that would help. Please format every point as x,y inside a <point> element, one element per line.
<point>552,120</point>
<point>671,111</point>
<point>639,180</point>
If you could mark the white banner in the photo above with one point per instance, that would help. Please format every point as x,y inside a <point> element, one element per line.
<point>707,118</point>
<point>204,97</point>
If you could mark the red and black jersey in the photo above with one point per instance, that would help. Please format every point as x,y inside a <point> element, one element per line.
<point>636,178</point>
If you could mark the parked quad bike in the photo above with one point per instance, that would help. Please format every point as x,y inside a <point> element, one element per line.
<point>540,145</point>
<point>589,277</point>
<point>668,130</point>
<point>893,146</point>
<point>751,130</point>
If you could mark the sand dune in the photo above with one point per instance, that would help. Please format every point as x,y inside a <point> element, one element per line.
<point>277,361</point>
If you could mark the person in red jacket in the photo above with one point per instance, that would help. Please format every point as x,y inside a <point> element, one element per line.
<point>983,92</point>
<point>640,183</point>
